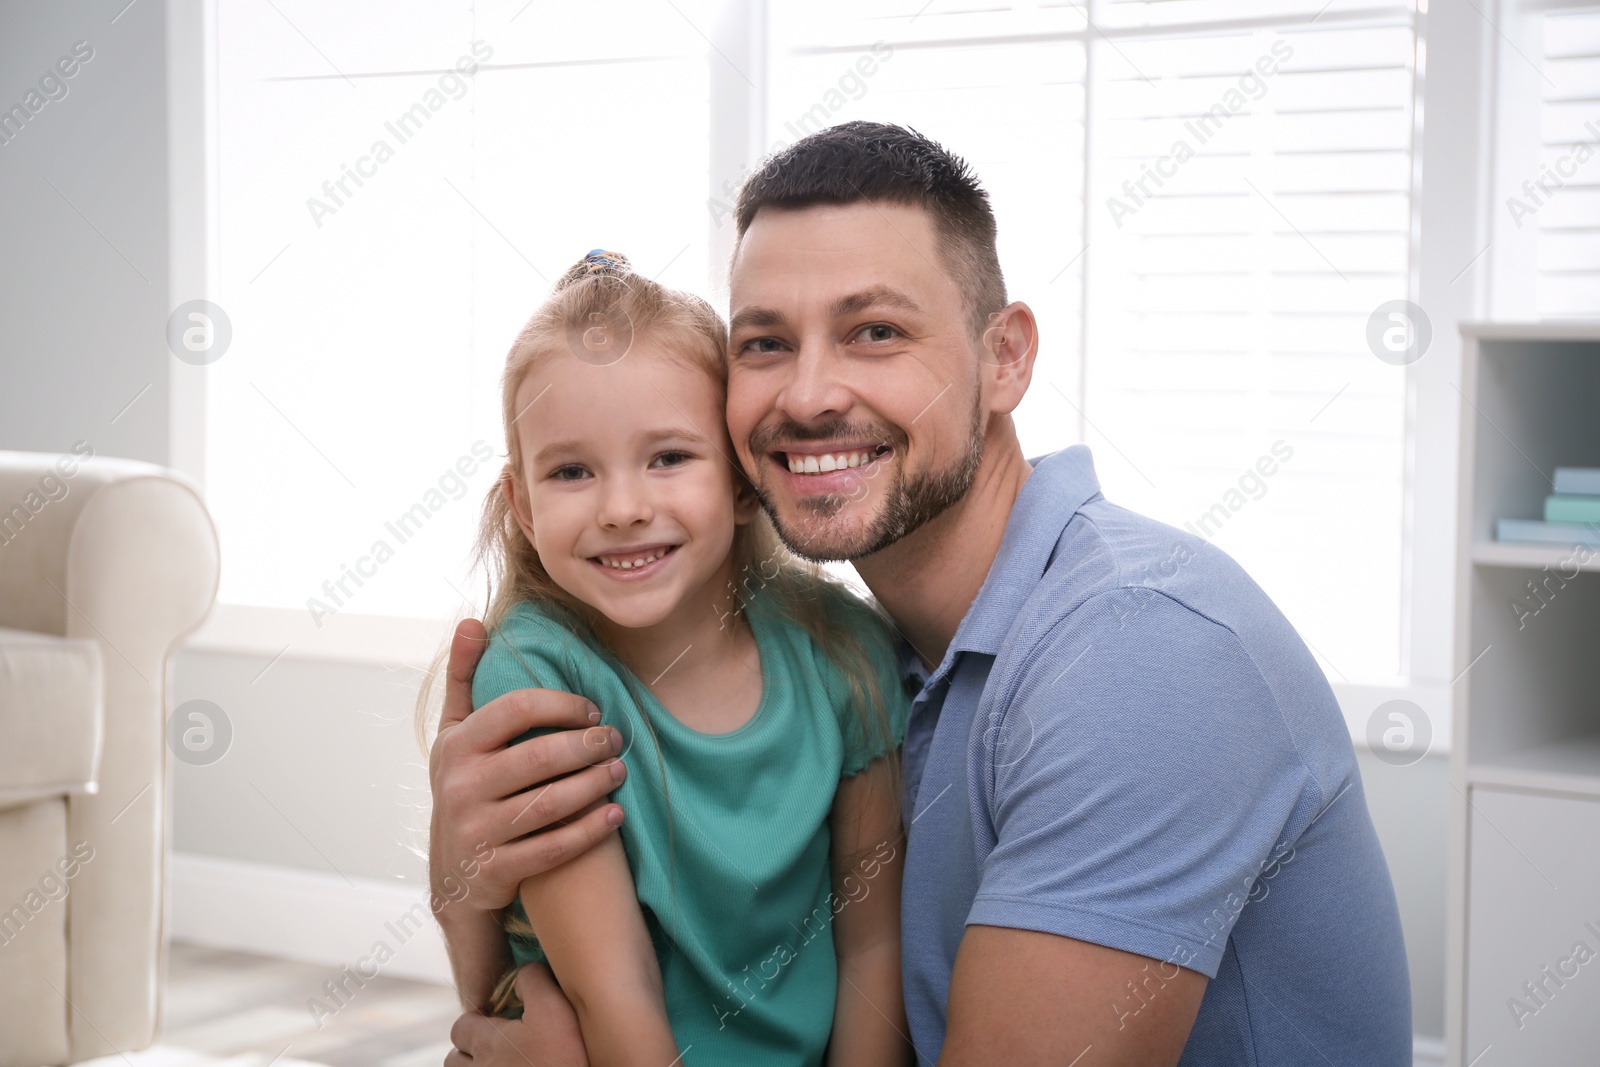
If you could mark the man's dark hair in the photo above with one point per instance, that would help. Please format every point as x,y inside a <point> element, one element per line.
<point>873,161</point>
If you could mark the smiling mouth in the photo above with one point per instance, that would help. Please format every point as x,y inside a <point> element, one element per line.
<point>634,558</point>
<point>828,462</point>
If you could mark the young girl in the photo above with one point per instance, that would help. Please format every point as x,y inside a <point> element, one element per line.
<point>748,911</point>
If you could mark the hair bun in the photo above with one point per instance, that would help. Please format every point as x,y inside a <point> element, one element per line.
<point>597,263</point>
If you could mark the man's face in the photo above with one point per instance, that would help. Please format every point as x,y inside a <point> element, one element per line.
<point>854,393</point>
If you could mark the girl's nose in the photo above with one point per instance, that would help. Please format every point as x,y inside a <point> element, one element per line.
<point>625,503</point>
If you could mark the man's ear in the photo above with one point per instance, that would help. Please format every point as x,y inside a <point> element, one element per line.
<point>1008,348</point>
<point>517,499</point>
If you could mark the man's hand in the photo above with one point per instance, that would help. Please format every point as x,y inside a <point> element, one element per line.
<point>484,801</point>
<point>547,1034</point>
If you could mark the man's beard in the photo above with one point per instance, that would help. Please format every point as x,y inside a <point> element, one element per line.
<point>908,505</point>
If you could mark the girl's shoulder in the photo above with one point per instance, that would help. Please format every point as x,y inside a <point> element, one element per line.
<point>543,621</point>
<point>536,645</point>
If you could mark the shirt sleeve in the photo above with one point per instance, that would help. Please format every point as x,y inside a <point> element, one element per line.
<point>528,650</point>
<point>1140,778</point>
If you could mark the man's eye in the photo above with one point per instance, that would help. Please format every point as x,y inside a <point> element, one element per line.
<point>761,346</point>
<point>569,472</point>
<point>878,331</point>
<point>671,459</point>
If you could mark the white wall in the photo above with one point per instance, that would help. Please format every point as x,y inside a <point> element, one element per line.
<point>323,771</point>
<point>83,264</point>
<point>1411,809</point>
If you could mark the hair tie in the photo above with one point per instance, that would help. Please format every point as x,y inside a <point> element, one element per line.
<point>600,261</point>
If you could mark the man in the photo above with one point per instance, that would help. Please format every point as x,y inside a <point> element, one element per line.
<point>1137,834</point>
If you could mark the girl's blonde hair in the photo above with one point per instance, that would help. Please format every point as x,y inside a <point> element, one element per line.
<point>602,292</point>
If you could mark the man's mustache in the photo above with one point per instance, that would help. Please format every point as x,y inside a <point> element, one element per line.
<point>767,438</point>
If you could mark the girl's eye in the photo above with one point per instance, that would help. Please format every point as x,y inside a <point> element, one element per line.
<point>878,331</point>
<point>671,459</point>
<point>569,472</point>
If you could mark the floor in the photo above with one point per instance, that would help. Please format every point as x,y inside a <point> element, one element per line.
<point>229,1008</point>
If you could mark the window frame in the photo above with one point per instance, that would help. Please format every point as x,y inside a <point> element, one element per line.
<point>1451,201</point>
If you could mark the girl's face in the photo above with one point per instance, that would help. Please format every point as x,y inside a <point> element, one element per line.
<point>626,490</point>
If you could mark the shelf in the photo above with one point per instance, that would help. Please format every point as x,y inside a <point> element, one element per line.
<point>1526,774</point>
<point>1570,766</point>
<point>1545,330</point>
<point>1531,556</point>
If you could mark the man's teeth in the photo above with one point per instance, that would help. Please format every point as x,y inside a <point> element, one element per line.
<point>837,461</point>
<point>619,564</point>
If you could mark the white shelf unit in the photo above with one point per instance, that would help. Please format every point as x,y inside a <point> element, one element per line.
<point>1525,765</point>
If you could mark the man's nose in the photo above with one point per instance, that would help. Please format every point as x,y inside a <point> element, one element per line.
<point>816,389</point>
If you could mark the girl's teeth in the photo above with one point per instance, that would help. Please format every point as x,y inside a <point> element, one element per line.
<point>630,564</point>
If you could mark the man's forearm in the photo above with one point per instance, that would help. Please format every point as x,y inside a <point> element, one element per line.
<point>479,954</point>
<point>1021,996</point>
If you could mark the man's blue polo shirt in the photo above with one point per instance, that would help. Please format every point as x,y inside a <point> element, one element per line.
<point>1128,744</point>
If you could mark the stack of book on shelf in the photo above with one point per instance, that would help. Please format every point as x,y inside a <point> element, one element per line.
<point>1571,516</point>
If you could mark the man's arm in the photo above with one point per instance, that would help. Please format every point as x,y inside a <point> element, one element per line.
<point>480,822</point>
<point>489,834</point>
<point>1026,998</point>
<point>476,945</point>
<point>547,1034</point>
<point>1140,777</point>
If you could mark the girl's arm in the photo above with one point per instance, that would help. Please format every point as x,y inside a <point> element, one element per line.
<point>869,1018</point>
<point>588,921</point>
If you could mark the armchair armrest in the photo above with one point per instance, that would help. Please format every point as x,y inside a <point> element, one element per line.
<point>52,699</point>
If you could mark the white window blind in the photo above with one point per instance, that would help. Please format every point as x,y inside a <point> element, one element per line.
<point>1569,136</point>
<point>371,313</point>
<point>1205,202</point>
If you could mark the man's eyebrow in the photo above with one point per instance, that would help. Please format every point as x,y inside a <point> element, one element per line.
<point>756,318</point>
<point>851,304</point>
<point>874,296</point>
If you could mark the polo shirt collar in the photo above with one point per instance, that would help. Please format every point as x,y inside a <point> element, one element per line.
<point>1060,484</point>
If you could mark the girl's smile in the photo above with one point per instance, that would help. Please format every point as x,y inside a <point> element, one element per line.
<point>633,564</point>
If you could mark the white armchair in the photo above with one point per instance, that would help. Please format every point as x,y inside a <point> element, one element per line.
<point>105,565</point>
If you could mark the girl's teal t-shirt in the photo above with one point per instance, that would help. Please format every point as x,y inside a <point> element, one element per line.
<point>727,834</point>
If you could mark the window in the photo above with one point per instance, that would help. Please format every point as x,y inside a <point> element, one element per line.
<point>1546,217</point>
<point>1569,142</point>
<point>385,223</point>
<point>1205,202</point>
